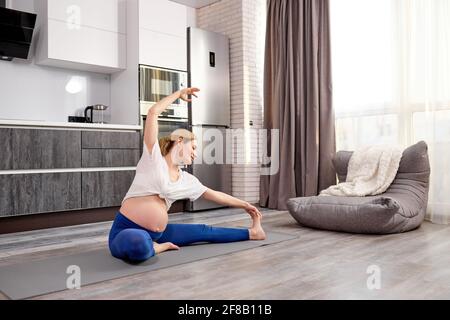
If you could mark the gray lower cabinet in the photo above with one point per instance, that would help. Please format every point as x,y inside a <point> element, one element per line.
<point>23,149</point>
<point>110,157</point>
<point>6,150</point>
<point>39,192</point>
<point>105,188</point>
<point>110,140</point>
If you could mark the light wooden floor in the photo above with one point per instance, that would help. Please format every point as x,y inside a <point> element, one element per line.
<point>316,265</point>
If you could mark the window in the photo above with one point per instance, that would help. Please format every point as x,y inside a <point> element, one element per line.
<point>391,81</point>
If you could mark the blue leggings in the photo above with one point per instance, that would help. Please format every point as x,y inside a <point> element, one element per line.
<point>129,241</point>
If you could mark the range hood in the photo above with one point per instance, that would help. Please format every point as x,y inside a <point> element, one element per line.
<point>16,32</point>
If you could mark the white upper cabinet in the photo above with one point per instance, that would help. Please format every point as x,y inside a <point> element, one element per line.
<point>82,34</point>
<point>108,15</point>
<point>163,16</point>
<point>162,34</point>
<point>162,50</point>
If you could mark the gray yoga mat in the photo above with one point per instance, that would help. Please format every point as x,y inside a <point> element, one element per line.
<point>30,279</point>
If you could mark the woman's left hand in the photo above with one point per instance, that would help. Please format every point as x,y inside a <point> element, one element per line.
<point>252,211</point>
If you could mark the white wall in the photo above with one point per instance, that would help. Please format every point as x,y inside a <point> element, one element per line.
<point>32,92</point>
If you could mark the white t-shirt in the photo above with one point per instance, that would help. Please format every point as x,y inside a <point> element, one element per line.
<point>152,177</point>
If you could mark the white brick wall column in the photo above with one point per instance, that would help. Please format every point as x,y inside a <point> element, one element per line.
<point>243,21</point>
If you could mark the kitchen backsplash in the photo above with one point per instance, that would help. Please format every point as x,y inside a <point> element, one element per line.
<point>48,94</point>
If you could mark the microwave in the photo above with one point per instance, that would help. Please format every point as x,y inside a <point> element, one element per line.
<point>157,83</point>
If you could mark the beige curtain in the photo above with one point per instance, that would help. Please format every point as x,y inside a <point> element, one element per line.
<point>297,100</point>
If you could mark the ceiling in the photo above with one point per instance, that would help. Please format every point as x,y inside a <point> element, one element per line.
<point>196,3</point>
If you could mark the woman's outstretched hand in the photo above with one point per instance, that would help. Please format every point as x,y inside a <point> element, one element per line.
<point>161,247</point>
<point>252,211</point>
<point>184,93</point>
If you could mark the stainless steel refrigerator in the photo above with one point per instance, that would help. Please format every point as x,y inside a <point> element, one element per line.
<point>208,69</point>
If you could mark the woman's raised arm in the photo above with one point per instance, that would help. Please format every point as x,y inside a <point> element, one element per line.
<point>151,123</point>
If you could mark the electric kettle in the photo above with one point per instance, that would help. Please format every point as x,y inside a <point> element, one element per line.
<point>95,113</point>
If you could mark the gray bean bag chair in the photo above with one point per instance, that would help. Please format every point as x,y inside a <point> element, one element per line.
<point>401,208</point>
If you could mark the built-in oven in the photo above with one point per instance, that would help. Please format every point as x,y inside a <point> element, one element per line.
<point>157,83</point>
<point>166,126</point>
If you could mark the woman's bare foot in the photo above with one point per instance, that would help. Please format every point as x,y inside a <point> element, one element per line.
<point>256,231</point>
<point>161,247</point>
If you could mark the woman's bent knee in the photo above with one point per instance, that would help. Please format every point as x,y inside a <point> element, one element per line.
<point>132,244</point>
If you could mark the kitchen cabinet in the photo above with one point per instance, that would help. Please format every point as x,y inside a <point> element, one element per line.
<point>163,16</point>
<point>48,170</point>
<point>108,149</point>
<point>112,16</point>
<point>162,33</point>
<point>105,188</point>
<point>6,151</point>
<point>162,50</point>
<point>82,34</point>
<point>39,149</point>
<point>106,139</point>
<point>39,192</point>
<point>109,158</point>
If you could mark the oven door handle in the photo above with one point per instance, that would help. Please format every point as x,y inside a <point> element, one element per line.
<point>173,119</point>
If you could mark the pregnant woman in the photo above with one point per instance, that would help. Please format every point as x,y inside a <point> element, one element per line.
<point>141,229</point>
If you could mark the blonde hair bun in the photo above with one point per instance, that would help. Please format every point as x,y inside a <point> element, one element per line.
<point>182,133</point>
<point>166,143</point>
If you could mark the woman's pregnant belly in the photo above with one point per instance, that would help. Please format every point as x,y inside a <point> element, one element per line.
<point>150,212</point>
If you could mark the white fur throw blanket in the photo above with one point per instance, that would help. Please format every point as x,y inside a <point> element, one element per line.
<point>371,171</point>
